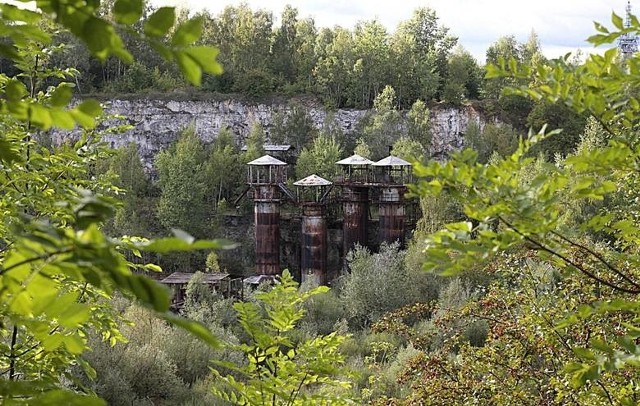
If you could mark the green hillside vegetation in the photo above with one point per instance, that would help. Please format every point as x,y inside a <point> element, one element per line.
<point>520,285</point>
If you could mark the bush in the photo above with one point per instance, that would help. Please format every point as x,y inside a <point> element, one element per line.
<point>379,283</point>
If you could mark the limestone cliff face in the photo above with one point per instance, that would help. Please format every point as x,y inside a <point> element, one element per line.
<point>156,124</point>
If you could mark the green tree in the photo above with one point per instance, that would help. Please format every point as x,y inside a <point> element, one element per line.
<point>137,195</point>
<point>371,67</point>
<point>556,115</point>
<point>379,283</point>
<point>382,129</point>
<point>225,169</point>
<point>500,140</point>
<point>463,77</point>
<point>408,149</point>
<point>57,268</point>
<point>283,47</point>
<point>510,108</point>
<point>254,143</point>
<point>334,68</point>
<point>512,207</point>
<point>418,124</point>
<point>184,186</point>
<point>431,45</point>
<point>279,370</point>
<point>305,58</point>
<point>320,158</point>
<point>293,126</point>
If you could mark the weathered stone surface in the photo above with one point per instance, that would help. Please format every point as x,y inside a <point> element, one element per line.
<point>157,123</point>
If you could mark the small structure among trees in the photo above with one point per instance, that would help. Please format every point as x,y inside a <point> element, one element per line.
<point>219,282</point>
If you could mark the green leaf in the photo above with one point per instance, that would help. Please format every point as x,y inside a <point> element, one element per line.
<point>188,32</point>
<point>617,21</point>
<point>165,245</point>
<point>61,96</point>
<point>160,22</point>
<point>205,56</point>
<point>74,315</point>
<point>128,11</point>
<point>62,119</point>
<point>13,13</point>
<point>189,67</point>
<point>40,116</point>
<point>86,113</point>
<point>9,152</point>
<point>147,291</point>
<point>99,36</point>
<point>15,90</point>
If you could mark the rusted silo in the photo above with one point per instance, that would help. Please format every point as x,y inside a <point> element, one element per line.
<point>355,201</point>
<point>391,176</point>
<point>266,175</point>
<point>312,192</point>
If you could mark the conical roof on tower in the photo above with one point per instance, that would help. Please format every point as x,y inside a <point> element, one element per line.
<point>355,159</point>
<point>391,161</point>
<point>266,160</point>
<point>312,180</point>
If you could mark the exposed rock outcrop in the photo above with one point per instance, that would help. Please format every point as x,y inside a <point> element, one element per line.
<point>156,124</point>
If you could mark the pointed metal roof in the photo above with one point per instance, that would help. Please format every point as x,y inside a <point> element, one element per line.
<point>392,161</point>
<point>266,160</point>
<point>312,180</point>
<point>355,160</point>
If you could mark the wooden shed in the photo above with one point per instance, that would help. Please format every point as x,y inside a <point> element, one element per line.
<point>178,281</point>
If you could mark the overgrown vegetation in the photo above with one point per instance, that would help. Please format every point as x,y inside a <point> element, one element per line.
<point>531,240</point>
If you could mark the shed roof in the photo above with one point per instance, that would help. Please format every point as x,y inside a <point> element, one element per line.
<point>258,279</point>
<point>273,147</point>
<point>266,160</point>
<point>182,278</point>
<point>392,161</point>
<point>312,180</point>
<point>355,160</point>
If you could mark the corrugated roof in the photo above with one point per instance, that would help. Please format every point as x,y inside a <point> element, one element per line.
<point>258,279</point>
<point>355,160</point>
<point>266,160</point>
<point>392,161</point>
<point>273,147</point>
<point>312,180</point>
<point>182,278</point>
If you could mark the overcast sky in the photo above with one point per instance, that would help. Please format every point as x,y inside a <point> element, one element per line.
<point>562,25</point>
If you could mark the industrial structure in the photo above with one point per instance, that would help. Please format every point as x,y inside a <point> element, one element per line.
<point>354,182</point>
<point>266,178</point>
<point>391,175</point>
<point>312,196</point>
<point>344,213</point>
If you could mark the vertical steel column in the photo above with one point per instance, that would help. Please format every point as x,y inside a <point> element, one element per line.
<point>355,209</point>
<point>391,214</point>
<point>314,244</point>
<point>267,229</point>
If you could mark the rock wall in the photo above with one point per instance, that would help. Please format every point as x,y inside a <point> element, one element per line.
<point>156,124</point>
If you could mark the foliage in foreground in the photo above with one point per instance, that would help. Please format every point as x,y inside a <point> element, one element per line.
<point>279,369</point>
<point>57,268</point>
<point>579,218</point>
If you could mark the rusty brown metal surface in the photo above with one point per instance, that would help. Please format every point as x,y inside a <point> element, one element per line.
<point>392,214</point>
<point>355,212</point>
<point>267,229</point>
<point>313,258</point>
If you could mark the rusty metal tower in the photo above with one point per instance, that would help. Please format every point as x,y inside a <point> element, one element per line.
<point>628,42</point>
<point>266,177</point>
<point>392,175</point>
<point>355,201</point>
<point>312,194</point>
